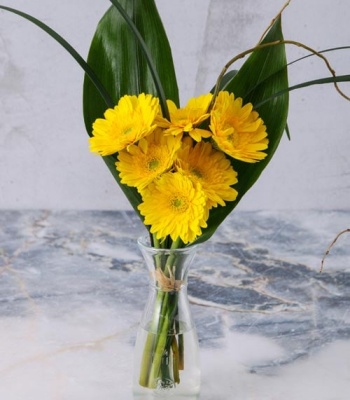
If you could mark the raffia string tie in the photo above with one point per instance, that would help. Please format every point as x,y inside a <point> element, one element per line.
<point>168,283</point>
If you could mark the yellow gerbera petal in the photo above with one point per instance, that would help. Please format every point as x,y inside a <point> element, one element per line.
<point>209,167</point>
<point>142,163</point>
<point>188,118</point>
<point>238,130</point>
<point>173,205</point>
<point>130,120</point>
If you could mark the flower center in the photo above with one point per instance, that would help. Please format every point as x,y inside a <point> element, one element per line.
<point>126,131</point>
<point>197,173</point>
<point>153,164</point>
<point>179,203</point>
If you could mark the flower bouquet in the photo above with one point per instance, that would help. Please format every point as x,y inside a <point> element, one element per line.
<point>183,169</point>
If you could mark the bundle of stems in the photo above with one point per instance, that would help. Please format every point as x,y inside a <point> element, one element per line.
<point>163,353</point>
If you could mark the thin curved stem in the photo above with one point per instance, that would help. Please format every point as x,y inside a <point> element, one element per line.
<point>330,246</point>
<point>275,19</point>
<point>270,44</point>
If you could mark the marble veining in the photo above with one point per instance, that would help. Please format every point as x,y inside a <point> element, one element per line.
<point>270,325</point>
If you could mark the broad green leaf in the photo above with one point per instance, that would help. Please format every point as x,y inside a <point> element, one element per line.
<point>120,63</point>
<point>262,75</point>
<point>149,59</point>
<point>118,60</point>
<point>319,81</point>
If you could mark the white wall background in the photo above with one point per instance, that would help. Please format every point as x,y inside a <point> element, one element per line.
<point>44,157</point>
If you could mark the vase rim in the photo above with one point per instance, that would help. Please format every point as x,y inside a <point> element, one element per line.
<point>145,243</point>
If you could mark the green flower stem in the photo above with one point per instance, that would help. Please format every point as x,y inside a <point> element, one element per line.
<point>181,348</point>
<point>146,361</point>
<point>151,342</point>
<point>176,361</point>
<point>147,376</point>
<point>162,338</point>
<point>152,366</point>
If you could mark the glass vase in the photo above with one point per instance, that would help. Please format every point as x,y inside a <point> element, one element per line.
<point>166,362</point>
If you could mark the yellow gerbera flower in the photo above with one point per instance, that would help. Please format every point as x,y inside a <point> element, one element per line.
<point>130,120</point>
<point>142,163</point>
<point>237,129</point>
<point>188,119</point>
<point>173,205</point>
<point>209,167</point>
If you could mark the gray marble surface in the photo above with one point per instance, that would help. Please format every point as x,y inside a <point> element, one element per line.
<point>270,325</point>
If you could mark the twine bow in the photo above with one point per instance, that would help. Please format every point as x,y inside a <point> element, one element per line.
<point>168,283</point>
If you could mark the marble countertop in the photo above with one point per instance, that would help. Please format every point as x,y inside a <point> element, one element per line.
<point>270,325</point>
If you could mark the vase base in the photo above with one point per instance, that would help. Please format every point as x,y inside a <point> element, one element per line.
<point>189,376</point>
<point>178,393</point>
<point>156,396</point>
<point>187,393</point>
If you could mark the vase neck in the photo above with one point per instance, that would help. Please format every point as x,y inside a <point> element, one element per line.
<point>168,268</point>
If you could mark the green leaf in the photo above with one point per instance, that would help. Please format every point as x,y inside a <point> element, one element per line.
<point>149,59</point>
<point>287,132</point>
<point>120,63</point>
<point>320,81</point>
<point>262,75</point>
<point>225,80</point>
<point>320,52</point>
